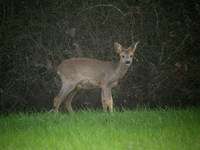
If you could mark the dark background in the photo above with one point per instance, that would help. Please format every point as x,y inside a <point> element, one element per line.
<point>36,36</point>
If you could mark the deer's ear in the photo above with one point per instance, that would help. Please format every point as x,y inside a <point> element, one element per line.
<point>118,47</point>
<point>133,46</point>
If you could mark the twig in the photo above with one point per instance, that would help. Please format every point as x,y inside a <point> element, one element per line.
<point>157,22</point>
<point>177,49</point>
<point>102,5</point>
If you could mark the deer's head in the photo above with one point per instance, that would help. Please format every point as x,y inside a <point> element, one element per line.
<point>126,55</point>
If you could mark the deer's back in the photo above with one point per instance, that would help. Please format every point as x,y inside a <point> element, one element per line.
<point>83,69</point>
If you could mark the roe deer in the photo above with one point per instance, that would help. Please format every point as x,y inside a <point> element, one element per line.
<point>85,73</point>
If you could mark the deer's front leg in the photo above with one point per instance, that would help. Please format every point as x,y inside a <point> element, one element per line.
<point>106,97</point>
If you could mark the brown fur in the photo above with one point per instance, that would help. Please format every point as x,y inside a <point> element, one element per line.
<point>86,73</point>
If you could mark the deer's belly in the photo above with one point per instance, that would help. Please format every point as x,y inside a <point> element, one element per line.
<point>114,84</point>
<point>88,84</point>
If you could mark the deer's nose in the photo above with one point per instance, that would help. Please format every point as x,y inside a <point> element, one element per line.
<point>127,62</point>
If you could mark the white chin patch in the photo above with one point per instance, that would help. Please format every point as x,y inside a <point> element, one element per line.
<point>127,64</point>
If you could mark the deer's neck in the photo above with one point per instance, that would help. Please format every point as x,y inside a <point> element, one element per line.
<point>121,70</point>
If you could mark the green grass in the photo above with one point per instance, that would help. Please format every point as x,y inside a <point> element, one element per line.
<point>140,129</point>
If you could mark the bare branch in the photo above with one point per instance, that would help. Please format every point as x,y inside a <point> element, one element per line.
<point>102,5</point>
<point>177,49</point>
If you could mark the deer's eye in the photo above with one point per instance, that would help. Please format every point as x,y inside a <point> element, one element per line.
<point>123,56</point>
<point>131,56</point>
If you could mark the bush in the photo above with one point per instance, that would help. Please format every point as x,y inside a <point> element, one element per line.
<point>36,36</point>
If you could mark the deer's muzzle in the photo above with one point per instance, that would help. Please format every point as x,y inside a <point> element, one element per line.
<point>127,62</point>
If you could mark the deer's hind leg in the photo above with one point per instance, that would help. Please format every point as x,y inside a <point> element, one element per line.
<point>64,92</point>
<point>68,100</point>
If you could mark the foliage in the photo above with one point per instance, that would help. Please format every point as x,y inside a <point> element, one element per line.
<point>36,36</point>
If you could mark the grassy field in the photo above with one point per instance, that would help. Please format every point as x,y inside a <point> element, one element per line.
<point>140,129</point>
